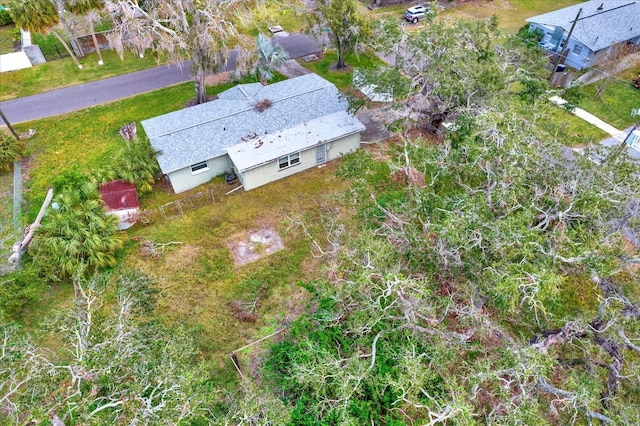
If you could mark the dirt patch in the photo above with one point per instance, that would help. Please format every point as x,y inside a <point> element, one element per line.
<point>255,245</point>
<point>292,68</point>
<point>184,258</point>
<point>215,79</point>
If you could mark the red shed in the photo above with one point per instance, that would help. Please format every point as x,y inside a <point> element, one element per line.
<point>121,199</point>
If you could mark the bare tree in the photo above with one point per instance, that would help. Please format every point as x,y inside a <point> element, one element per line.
<point>204,32</point>
<point>115,368</point>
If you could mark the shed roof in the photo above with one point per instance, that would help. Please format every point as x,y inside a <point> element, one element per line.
<point>119,195</point>
<point>618,20</point>
<point>261,150</point>
<point>205,131</point>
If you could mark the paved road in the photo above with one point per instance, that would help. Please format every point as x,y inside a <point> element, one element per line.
<point>73,98</point>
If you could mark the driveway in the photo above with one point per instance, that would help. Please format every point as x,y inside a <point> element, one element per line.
<point>73,98</point>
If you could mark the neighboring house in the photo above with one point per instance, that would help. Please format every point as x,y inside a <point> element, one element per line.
<point>121,200</point>
<point>601,24</point>
<point>259,133</point>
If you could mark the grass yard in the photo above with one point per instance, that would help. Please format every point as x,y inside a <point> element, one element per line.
<point>7,233</point>
<point>6,38</point>
<point>63,73</point>
<point>569,129</point>
<point>85,140</point>
<point>511,13</point>
<point>618,99</point>
<point>270,13</point>
<point>199,279</point>
<point>342,79</point>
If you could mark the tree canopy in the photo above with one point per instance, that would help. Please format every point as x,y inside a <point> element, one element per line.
<point>349,29</point>
<point>77,237</point>
<point>203,32</point>
<point>458,299</point>
<point>39,16</point>
<point>457,66</point>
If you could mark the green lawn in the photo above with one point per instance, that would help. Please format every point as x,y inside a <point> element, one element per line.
<point>86,140</point>
<point>569,129</point>
<point>511,13</point>
<point>342,79</point>
<point>6,38</point>
<point>7,233</point>
<point>63,73</point>
<point>618,99</point>
<point>204,261</point>
<point>291,19</point>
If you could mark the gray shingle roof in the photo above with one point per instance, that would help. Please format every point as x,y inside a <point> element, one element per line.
<point>205,131</point>
<point>619,20</point>
<point>262,149</point>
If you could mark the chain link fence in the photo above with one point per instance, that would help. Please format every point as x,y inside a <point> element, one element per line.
<point>177,208</point>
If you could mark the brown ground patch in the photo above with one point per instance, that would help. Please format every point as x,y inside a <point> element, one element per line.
<point>255,245</point>
<point>183,258</point>
<point>215,79</point>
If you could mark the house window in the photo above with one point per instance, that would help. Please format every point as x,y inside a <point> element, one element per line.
<point>288,160</point>
<point>577,49</point>
<point>199,168</point>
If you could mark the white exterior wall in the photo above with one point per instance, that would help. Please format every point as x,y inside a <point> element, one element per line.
<point>127,217</point>
<point>269,172</point>
<point>183,179</point>
<point>343,146</point>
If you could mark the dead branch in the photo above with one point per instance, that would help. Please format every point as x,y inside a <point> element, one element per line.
<point>20,247</point>
<point>628,341</point>
<point>546,387</point>
<point>153,250</point>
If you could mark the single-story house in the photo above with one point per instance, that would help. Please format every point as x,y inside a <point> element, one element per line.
<point>602,24</point>
<point>121,200</point>
<point>259,133</point>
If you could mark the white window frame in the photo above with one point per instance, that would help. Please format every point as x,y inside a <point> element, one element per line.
<point>577,49</point>
<point>200,167</point>
<point>290,160</point>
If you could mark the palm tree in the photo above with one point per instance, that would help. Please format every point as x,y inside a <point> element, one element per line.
<point>10,150</point>
<point>39,16</point>
<point>136,164</point>
<point>76,236</point>
<point>270,57</point>
<point>86,7</point>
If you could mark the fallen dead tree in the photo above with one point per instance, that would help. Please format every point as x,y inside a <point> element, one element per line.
<point>20,247</point>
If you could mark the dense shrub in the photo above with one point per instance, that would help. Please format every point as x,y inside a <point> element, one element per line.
<point>10,150</point>
<point>635,81</point>
<point>5,18</point>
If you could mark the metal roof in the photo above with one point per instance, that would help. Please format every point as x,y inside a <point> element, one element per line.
<point>205,131</point>
<point>617,20</point>
<point>119,195</point>
<point>263,149</point>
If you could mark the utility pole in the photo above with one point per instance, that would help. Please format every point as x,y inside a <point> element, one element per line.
<point>563,48</point>
<point>4,118</point>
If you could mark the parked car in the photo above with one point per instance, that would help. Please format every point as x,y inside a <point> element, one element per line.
<point>416,13</point>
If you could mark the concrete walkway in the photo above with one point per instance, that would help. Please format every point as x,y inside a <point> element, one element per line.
<point>617,136</point>
<point>592,119</point>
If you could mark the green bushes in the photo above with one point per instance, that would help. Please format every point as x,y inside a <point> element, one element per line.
<point>635,81</point>
<point>10,150</point>
<point>77,236</point>
<point>5,18</point>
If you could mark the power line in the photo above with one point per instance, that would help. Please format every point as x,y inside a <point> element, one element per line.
<point>588,67</point>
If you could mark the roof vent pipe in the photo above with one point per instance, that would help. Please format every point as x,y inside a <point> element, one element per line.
<point>601,6</point>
